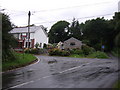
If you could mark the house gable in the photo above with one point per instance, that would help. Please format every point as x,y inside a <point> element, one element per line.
<point>72,43</point>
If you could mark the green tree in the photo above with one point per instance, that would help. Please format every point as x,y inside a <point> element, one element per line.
<point>97,32</point>
<point>116,35</point>
<point>75,30</point>
<point>59,32</point>
<point>7,39</point>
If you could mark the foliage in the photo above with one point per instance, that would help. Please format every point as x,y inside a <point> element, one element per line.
<point>58,32</point>
<point>96,31</point>
<point>116,52</point>
<point>87,50</point>
<point>117,85</point>
<point>75,29</point>
<point>37,45</point>
<point>7,38</point>
<point>77,56</point>
<point>76,51</point>
<point>26,50</point>
<point>34,51</point>
<point>98,54</point>
<point>116,21</point>
<point>58,52</point>
<point>45,46</point>
<point>21,60</point>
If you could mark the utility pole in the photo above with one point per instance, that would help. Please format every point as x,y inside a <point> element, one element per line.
<point>29,29</point>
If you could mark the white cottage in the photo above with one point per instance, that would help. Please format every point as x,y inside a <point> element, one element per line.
<point>37,35</point>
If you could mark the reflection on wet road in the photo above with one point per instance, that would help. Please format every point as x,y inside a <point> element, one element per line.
<point>64,72</point>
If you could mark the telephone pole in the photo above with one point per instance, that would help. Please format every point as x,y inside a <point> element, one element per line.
<point>29,14</point>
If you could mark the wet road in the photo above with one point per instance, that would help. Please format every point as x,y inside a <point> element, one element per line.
<point>64,72</point>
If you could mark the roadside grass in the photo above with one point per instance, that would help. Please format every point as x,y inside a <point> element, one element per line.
<point>117,85</point>
<point>98,54</point>
<point>22,59</point>
<point>77,56</point>
<point>116,52</point>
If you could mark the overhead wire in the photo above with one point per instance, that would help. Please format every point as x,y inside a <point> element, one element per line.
<point>78,18</point>
<point>35,12</point>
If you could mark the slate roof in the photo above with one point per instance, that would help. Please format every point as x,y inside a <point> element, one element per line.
<point>73,39</point>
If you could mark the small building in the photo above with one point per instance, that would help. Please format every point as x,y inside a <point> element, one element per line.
<point>37,35</point>
<point>70,44</point>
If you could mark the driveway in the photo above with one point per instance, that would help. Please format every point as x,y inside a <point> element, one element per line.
<point>64,72</point>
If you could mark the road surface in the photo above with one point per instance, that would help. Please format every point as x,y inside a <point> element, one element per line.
<point>64,72</point>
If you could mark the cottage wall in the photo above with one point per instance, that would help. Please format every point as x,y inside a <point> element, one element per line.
<point>40,37</point>
<point>72,43</point>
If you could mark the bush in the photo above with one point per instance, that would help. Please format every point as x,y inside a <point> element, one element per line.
<point>98,54</point>
<point>65,53</point>
<point>45,46</point>
<point>27,50</point>
<point>34,51</point>
<point>116,52</point>
<point>37,45</point>
<point>87,50</point>
<point>76,51</point>
<point>58,52</point>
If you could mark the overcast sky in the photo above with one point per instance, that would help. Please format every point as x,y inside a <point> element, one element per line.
<point>48,12</point>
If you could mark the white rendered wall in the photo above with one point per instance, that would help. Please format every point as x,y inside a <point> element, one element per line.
<point>40,37</point>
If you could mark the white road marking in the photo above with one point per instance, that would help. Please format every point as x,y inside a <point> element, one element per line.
<point>73,68</point>
<point>22,84</point>
<point>48,76</point>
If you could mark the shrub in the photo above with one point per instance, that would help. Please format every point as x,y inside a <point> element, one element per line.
<point>37,45</point>
<point>34,51</point>
<point>87,50</point>
<point>45,46</point>
<point>116,52</point>
<point>27,50</point>
<point>76,51</point>
<point>58,52</point>
<point>65,53</point>
<point>98,54</point>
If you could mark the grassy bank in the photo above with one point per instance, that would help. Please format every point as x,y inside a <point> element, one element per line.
<point>116,52</point>
<point>117,85</point>
<point>98,54</point>
<point>21,60</point>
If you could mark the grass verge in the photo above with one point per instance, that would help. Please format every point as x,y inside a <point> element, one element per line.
<point>98,54</point>
<point>117,85</point>
<point>116,52</point>
<point>76,56</point>
<point>21,60</point>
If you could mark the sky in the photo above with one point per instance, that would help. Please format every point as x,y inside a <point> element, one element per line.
<point>48,12</point>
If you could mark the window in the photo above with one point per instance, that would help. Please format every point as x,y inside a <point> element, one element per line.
<point>72,43</point>
<point>28,45</point>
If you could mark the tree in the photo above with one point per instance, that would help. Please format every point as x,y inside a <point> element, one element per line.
<point>96,31</point>
<point>7,39</point>
<point>75,30</point>
<point>59,32</point>
<point>116,35</point>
